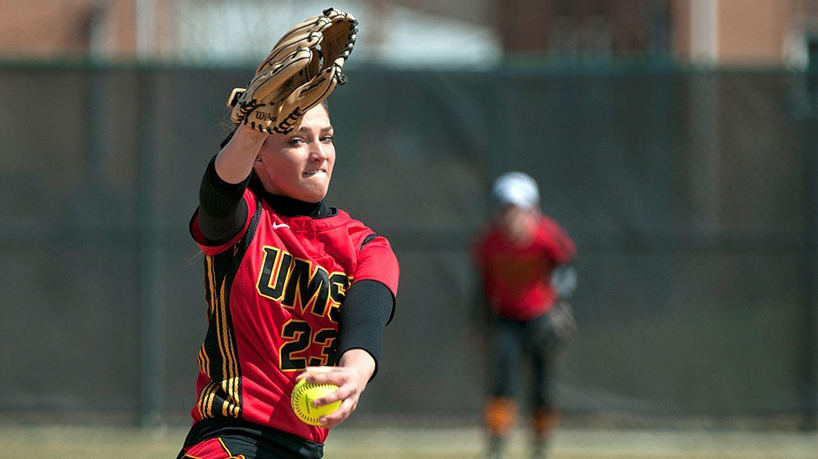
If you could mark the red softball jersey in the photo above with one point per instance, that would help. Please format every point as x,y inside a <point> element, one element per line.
<point>517,277</point>
<point>274,295</point>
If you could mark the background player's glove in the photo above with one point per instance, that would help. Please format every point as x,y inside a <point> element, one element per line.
<point>562,319</point>
<point>564,281</point>
<point>303,68</point>
<point>552,330</point>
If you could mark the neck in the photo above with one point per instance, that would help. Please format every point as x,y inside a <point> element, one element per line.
<point>291,207</point>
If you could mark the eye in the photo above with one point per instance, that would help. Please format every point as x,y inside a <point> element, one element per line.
<point>295,141</point>
<point>328,138</point>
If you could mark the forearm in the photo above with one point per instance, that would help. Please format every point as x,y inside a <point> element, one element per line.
<point>234,162</point>
<point>368,307</point>
<point>361,362</point>
<point>564,281</point>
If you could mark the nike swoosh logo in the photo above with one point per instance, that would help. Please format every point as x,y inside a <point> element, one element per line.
<point>280,225</point>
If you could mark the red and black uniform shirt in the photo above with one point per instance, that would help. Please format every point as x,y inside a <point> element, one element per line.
<point>274,294</point>
<point>517,278</point>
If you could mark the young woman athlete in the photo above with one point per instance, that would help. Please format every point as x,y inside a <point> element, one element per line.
<point>295,289</point>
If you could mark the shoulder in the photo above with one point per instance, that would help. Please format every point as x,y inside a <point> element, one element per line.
<point>553,235</point>
<point>210,248</point>
<point>253,200</point>
<point>374,257</point>
<point>549,225</point>
<point>359,233</point>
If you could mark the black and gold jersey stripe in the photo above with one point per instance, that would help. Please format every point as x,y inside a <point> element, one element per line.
<point>218,357</point>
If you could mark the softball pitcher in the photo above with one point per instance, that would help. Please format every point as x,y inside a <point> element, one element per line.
<point>295,289</point>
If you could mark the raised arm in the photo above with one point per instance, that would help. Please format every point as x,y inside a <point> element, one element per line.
<point>222,211</point>
<point>235,161</point>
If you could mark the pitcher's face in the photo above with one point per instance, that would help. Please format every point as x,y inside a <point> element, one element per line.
<point>299,164</point>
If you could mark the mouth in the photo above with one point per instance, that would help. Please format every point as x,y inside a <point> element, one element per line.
<point>314,173</point>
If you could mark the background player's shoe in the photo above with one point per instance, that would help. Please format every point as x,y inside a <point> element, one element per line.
<point>539,449</point>
<point>496,447</point>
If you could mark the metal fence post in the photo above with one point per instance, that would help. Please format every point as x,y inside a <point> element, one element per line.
<point>807,112</point>
<point>151,312</point>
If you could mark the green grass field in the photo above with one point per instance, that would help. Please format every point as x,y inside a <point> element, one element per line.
<point>87,442</point>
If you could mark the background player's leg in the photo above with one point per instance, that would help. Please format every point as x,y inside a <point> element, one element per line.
<point>546,415</point>
<point>500,410</point>
<point>542,350</point>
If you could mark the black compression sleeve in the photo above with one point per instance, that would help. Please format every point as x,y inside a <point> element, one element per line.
<point>222,211</point>
<point>367,309</point>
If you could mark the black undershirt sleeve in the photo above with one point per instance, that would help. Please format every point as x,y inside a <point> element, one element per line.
<point>222,211</point>
<point>367,309</point>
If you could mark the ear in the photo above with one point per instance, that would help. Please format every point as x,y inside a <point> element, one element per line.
<point>258,166</point>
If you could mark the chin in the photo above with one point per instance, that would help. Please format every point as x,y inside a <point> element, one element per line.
<point>312,196</point>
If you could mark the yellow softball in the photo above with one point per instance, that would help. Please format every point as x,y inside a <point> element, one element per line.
<point>304,394</point>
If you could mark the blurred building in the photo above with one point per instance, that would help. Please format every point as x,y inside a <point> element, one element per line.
<point>224,32</point>
<point>759,32</point>
<point>45,29</point>
<point>754,32</point>
<point>407,32</point>
<point>590,29</point>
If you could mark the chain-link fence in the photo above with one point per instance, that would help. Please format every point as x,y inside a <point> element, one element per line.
<point>691,196</point>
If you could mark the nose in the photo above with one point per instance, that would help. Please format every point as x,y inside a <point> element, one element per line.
<point>319,151</point>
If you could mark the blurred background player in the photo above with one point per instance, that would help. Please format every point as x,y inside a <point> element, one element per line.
<point>523,258</point>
